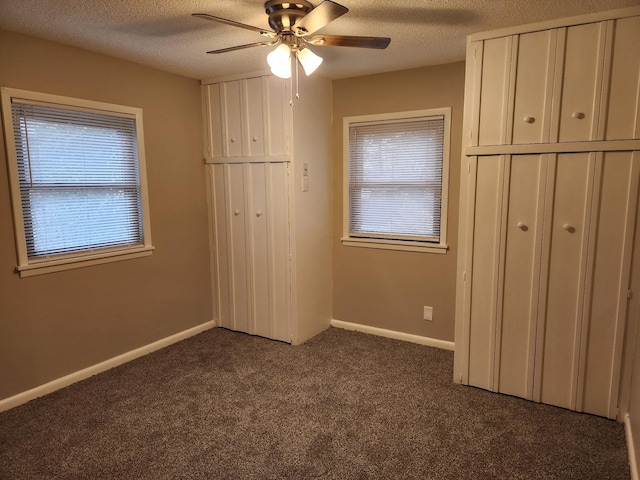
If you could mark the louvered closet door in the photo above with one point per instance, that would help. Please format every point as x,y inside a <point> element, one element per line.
<point>517,318</point>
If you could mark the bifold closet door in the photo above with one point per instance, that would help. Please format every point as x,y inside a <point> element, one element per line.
<point>269,249</point>
<point>523,207</point>
<point>486,203</point>
<point>563,274</point>
<point>252,247</point>
<point>611,237</point>
<point>508,208</point>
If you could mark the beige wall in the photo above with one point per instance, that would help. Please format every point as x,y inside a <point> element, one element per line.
<point>53,325</point>
<point>383,288</point>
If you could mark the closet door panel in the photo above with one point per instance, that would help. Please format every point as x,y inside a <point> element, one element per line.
<point>533,87</point>
<point>484,276</point>
<point>268,237</point>
<point>232,119</point>
<point>565,280</point>
<point>258,236</point>
<point>493,95</point>
<point>623,115</point>
<point>276,105</point>
<point>582,79</point>
<point>254,111</point>
<point>238,248</point>
<point>614,214</point>
<point>278,241</point>
<point>221,235</point>
<point>521,274</point>
<point>214,120</point>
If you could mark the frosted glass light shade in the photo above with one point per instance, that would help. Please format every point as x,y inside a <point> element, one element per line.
<point>280,61</point>
<point>309,60</point>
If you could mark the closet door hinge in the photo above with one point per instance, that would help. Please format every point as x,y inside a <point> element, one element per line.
<point>629,294</point>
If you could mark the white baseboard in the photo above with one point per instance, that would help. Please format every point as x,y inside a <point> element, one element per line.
<point>85,373</point>
<point>633,465</point>
<point>406,337</point>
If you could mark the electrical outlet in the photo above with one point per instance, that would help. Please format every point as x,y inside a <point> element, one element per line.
<point>428,313</point>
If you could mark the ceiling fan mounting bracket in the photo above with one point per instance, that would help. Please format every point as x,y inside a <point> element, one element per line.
<point>284,14</point>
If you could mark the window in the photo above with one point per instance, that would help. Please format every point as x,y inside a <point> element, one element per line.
<point>396,180</point>
<point>77,177</point>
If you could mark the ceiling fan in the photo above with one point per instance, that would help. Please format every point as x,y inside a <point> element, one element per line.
<point>293,24</point>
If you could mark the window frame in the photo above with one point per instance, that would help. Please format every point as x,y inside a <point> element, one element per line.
<point>440,247</point>
<point>36,266</point>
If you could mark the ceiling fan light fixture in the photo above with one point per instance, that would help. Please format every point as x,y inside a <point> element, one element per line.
<point>280,61</point>
<point>309,60</point>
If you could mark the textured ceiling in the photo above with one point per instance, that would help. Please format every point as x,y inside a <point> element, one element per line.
<point>162,33</point>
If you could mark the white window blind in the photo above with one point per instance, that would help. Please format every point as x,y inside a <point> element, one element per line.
<point>395,178</point>
<point>78,178</point>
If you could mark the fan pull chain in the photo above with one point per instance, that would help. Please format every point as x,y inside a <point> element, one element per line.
<point>295,59</point>
<point>291,89</point>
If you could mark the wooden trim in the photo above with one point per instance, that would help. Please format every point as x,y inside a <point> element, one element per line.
<point>85,373</point>
<point>248,159</point>
<point>237,76</point>
<point>566,147</point>
<point>405,337</point>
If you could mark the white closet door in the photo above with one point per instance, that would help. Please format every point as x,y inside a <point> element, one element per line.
<point>563,274</point>
<point>612,231</point>
<point>269,249</point>
<point>255,118</point>
<point>484,273</point>
<point>534,87</point>
<point>213,110</point>
<point>232,119</point>
<point>221,246</point>
<point>496,61</point>
<point>584,49</point>
<point>251,234</point>
<point>231,246</point>
<point>523,242</point>
<point>623,114</point>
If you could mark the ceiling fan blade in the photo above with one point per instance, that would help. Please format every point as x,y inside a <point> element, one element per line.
<point>241,47</point>
<point>317,18</point>
<point>348,41</point>
<point>226,21</point>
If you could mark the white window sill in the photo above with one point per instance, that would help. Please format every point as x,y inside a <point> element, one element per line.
<point>58,265</point>
<point>395,245</point>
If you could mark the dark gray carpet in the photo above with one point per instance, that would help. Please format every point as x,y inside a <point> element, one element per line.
<point>344,405</point>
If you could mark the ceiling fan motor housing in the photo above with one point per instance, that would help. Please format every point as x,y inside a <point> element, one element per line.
<point>284,14</point>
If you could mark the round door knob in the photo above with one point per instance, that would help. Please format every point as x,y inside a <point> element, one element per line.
<point>578,115</point>
<point>233,139</point>
<point>255,139</point>
<point>568,227</point>
<point>236,212</point>
<point>258,213</point>
<point>529,119</point>
<point>522,226</point>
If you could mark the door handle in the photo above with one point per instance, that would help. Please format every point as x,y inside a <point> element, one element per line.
<point>568,227</point>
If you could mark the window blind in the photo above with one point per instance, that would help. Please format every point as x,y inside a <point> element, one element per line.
<point>395,178</point>
<point>79,179</point>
